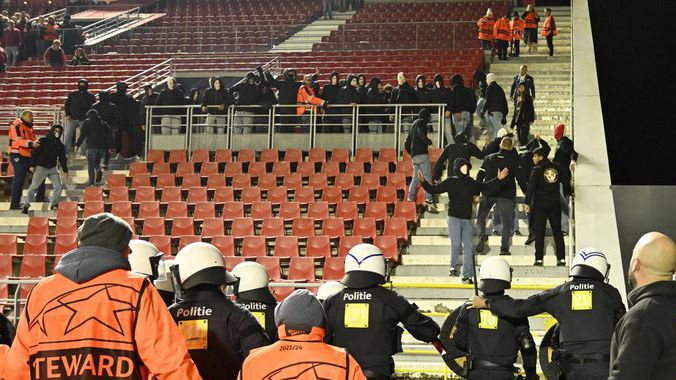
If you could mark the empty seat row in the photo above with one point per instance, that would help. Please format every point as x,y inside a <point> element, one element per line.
<point>273,155</point>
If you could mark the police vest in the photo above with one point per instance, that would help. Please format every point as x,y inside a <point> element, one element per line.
<point>264,314</point>
<point>218,333</point>
<point>494,338</point>
<point>585,310</point>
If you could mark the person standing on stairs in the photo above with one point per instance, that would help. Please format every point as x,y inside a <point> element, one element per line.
<point>526,79</point>
<point>531,17</point>
<point>502,34</point>
<point>524,114</point>
<point>460,148</point>
<point>99,135</point>
<point>417,146</point>
<point>461,105</point>
<point>516,26</point>
<point>22,141</point>
<point>76,107</point>
<point>549,30</point>
<point>327,9</point>
<point>44,159</point>
<point>495,107</point>
<point>463,192</point>
<point>566,156</point>
<point>485,25</point>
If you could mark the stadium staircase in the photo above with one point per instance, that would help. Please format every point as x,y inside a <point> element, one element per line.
<point>304,39</point>
<point>423,274</point>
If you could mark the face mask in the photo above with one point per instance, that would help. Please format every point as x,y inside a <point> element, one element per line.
<point>463,169</point>
<point>57,135</point>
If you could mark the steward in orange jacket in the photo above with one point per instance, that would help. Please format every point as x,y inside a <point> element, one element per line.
<point>503,35</point>
<point>94,319</point>
<point>549,30</point>
<point>485,25</point>
<point>516,26</point>
<point>306,96</point>
<point>21,135</point>
<point>300,352</point>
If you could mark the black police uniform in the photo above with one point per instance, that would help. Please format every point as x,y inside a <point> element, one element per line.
<point>365,322</point>
<point>543,198</point>
<point>494,342</point>
<point>261,304</point>
<point>587,310</point>
<point>7,331</point>
<point>219,334</point>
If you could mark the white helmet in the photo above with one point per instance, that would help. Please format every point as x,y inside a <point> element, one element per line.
<point>364,267</point>
<point>590,263</point>
<point>495,275</point>
<point>163,281</point>
<point>144,258</point>
<point>202,263</point>
<point>328,289</point>
<point>250,276</point>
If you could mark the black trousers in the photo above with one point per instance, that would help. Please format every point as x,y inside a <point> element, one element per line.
<point>522,130</point>
<point>501,46</point>
<point>548,208</point>
<point>550,44</point>
<point>588,371</point>
<point>21,165</point>
<point>516,47</point>
<point>490,374</point>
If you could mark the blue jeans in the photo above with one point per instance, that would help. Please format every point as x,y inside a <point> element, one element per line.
<point>506,209</point>
<point>420,162</point>
<point>94,157</point>
<point>463,122</point>
<point>497,223</point>
<point>69,133</point>
<point>493,124</point>
<point>460,232</point>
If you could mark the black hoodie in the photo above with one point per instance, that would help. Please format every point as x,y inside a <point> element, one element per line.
<point>248,93</point>
<point>169,97</point>
<point>403,94</point>
<point>331,91</point>
<point>644,343</point>
<point>349,93</point>
<point>214,98</point>
<point>440,93</point>
<point>496,100</point>
<point>423,95</point>
<point>374,96</point>
<point>107,110</point>
<point>288,89</point>
<point>50,150</point>
<point>461,98</point>
<point>96,131</point>
<point>79,102</point>
<point>460,148</point>
<point>417,141</point>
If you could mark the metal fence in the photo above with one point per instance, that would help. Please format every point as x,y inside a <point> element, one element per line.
<point>156,75</point>
<point>97,31</point>
<point>375,126</point>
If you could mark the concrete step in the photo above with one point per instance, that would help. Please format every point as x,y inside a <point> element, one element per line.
<point>303,40</point>
<point>442,270</point>
<point>492,248</point>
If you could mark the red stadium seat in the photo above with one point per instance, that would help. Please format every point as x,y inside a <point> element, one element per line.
<point>387,155</point>
<point>340,155</point>
<point>334,269</point>
<point>121,209</point>
<point>272,227</point>
<point>318,181</point>
<point>38,225</point>
<point>347,210</point>
<point>305,169</point>
<point>183,226</point>
<point>246,155</point>
<point>318,210</point>
<point>185,168</point>
<point>139,180</point>
<point>6,267</point>
<point>146,194</point>
<point>261,210</point>
<point>370,181</point>
<point>93,208</point>
<point>359,195</point>
<point>223,155</point>
<point>155,155</point>
<point>233,210</point>
<point>233,169</point>
<point>188,239</point>
<point>66,225</point>
<point>331,168</point>
<point>162,243</point>
<point>171,194</point>
<point>388,246</point>
<point>223,194</point>
<point>257,169</point>
<point>285,246</point>
<point>269,155</point>
<point>281,292</point>
<point>231,262</point>
<point>277,195</point>
<point>333,195</point>
<point>387,194</point>
<point>251,195</point>
<point>161,168</point>
<point>289,210</point>
<point>32,266</point>
<point>204,210</point>
<point>363,155</point>
<point>380,168</point>
<point>293,155</point>
<point>302,269</point>
<point>241,181</point>
<point>317,155</point>
<point>65,243</point>
<point>176,210</point>
<point>406,210</point>
<point>242,227</point>
<point>303,227</point>
<point>136,168</point>
<point>118,194</point>
<point>94,193</point>
<point>209,169</point>
<point>177,155</point>
<point>197,195</point>
<point>148,210</point>
<point>213,227</point>
<point>267,181</point>
<point>396,227</point>
<point>200,155</point>
<point>364,227</point>
<point>215,181</point>
<point>293,181</point>
<point>344,181</point>
<point>304,195</point>
<point>190,181</point>
<point>271,265</point>
<point>117,180</point>
<point>318,246</point>
<point>376,210</point>
<point>346,243</point>
<point>333,227</point>
<point>354,168</point>
<point>254,246</point>
<point>35,245</point>
<point>281,169</point>
<point>153,226</point>
<point>225,244</point>
<point>397,180</point>
<point>66,209</point>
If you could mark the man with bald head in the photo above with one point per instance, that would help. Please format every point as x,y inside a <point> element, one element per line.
<point>644,343</point>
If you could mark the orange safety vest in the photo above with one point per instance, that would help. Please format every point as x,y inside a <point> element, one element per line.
<point>531,20</point>
<point>485,25</point>
<point>112,326</point>
<point>501,30</point>
<point>547,26</point>
<point>21,138</point>
<point>303,357</point>
<point>50,33</point>
<point>306,96</point>
<point>517,29</point>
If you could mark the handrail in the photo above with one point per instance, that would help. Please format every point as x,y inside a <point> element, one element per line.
<point>43,117</point>
<point>58,15</point>
<point>102,27</point>
<point>159,74</point>
<point>15,299</point>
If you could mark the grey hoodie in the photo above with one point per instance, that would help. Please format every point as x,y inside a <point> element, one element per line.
<point>85,263</point>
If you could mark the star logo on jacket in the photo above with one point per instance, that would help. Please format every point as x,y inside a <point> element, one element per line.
<point>80,308</point>
<point>551,175</point>
<point>305,370</point>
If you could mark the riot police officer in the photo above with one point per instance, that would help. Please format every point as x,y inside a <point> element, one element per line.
<point>542,194</point>
<point>365,312</point>
<point>587,309</point>
<point>252,292</point>
<point>219,333</point>
<point>328,289</point>
<point>494,341</point>
<point>144,258</point>
<point>163,282</point>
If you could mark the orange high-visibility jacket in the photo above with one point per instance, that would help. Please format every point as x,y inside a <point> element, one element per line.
<point>112,326</point>
<point>3,360</point>
<point>307,97</point>
<point>21,138</point>
<point>501,30</point>
<point>517,29</point>
<point>531,20</point>
<point>51,32</point>
<point>485,25</point>
<point>549,26</point>
<point>302,357</point>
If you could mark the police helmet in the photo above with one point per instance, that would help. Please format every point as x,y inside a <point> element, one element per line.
<point>328,289</point>
<point>364,267</point>
<point>144,258</point>
<point>202,263</point>
<point>590,263</point>
<point>495,275</point>
<point>250,276</point>
<point>163,280</point>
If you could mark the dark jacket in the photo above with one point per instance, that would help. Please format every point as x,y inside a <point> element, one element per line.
<point>148,100</point>
<point>545,182</point>
<point>78,103</point>
<point>529,83</point>
<point>461,189</point>
<point>287,90</point>
<point>524,113</point>
<point>348,94</point>
<point>50,150</point>
<point>261,304</point>
<point>496,100</point>
<point>440,93</point>
<point>96,131</point>
<point>496,162</point>
<point>331,92</point>
<point>127,108</point>
<point>460,148</point>
<point>417,141</point>
<point>374,96</point>
<point>107,110</point>
<point>565,153</point>
<point>246,93</point>
<point>526,156</point>
<point>461,98</point>
<point>423,94</point>
<point>168,97</point>
<point>644,343</point>
<point>80,61</point>
<point>494,146</point>
<point>213,98</point>
<point>404,94</point>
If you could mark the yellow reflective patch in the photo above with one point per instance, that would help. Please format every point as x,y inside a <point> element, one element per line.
<point>581,300</point>
<point>196,333</point>
<point>357,315</point>
<point>260,317</point>
<point>488,320</point>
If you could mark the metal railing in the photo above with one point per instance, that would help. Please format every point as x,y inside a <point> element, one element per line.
<point>95,32</point>
<point>155,75</point>
<point>57,14</point>
<point>278,126</point>
<point>43,117</point>
<point>16,299</point>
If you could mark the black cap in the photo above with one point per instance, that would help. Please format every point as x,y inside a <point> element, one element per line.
<point>540,152</point>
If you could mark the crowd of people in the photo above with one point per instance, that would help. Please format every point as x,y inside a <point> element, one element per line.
<point>114,308</point>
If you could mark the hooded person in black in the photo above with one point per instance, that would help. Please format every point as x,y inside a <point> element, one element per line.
<point>44,159</point>
<point>246,94</point>
<point>99,135</point>
<point>495,110</point>
<point>128,121</point>
<point>76,107</point>
<point>374,95</point>
<point>423,95</point>
<point>362,89</point>
<point>417,146</point>
<point>441,94</point>
<point>349,95</point>
<point>287,91</point>
<point>171,117</point>
<point>193,96</point>
<point>149,99</point>
<point>108,112</point>
<point>403,94</point>
<point>216,102</point>
<point>462,105</point>
<point>459,148</point>
<point>331,94</point>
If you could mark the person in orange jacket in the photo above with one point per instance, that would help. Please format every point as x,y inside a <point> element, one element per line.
<point>485,25</point>
<point>549,30</point>
<point>22,141</point>
<point>306,97</point>
<point>530,37</point>
<point>502,34</point>
<point>516,25</point>
<point>3,360</point>
<point>300,352</point>
<point>94,319</point>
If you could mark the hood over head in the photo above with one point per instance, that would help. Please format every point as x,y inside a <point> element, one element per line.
<point>250,77</point>
<point>121,87</point>
<point>460,138</point>
<point>104,96</point>
<point>350,78</point>
<point>438,80</point>
<point>458,164</point>
<point>336,76</point>
<point>456,80</point>
<point>374,82</point>
<point>290,74</point>
<point>92,114</point>
<point>53,129</point>
<point>301,309</point>
<point>424,114</point>
<point>559,131</point>
<point>418,79</point>
<point>83,85</point>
